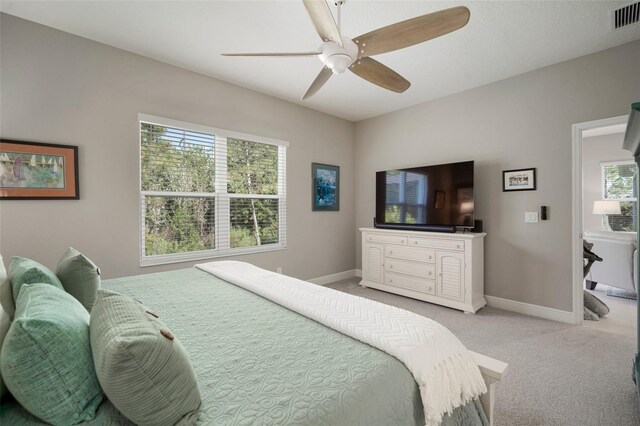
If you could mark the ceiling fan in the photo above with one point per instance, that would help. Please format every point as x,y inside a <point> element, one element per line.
<point>339,53</point>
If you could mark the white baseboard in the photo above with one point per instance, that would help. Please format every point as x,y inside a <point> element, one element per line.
<point>495,302</point>
<point>327,279</point>
<point>529,309</point>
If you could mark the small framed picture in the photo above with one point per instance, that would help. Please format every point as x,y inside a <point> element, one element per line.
<point>325,182</point>
<point>519,180</point>
<point>38,171</point>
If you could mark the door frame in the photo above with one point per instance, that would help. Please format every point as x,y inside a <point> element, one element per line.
<point>577,209</point>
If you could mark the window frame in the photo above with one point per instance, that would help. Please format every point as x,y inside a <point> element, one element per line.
<point>221,196</point>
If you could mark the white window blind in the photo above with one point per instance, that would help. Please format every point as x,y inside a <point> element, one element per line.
<point>620,183</point>
<point>206,192</point>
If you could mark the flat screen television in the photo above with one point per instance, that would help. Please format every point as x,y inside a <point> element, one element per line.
<point>428,196</point>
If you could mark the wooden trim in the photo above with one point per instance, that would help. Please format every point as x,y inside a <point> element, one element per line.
<point>328,279</point>
<point>530,309</point>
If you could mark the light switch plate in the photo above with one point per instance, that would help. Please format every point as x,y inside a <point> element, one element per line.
<point>531,217</point>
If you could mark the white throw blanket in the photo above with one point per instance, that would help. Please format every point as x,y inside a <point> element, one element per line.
<point>443,368</point>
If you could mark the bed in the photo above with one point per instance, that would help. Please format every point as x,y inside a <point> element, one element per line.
<point>257,362</point>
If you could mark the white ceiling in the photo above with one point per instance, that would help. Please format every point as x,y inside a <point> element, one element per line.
<point>502,39</point>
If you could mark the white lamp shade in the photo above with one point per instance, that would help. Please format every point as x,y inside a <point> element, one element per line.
<point>606,207</point>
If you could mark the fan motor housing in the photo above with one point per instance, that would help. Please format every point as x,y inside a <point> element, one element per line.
<point>336,57</point>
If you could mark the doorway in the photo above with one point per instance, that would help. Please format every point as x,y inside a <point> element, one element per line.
<point>589,198</point>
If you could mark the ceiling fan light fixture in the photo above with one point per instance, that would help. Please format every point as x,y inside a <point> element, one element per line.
<point>336,57</point>
<point>339,63</point>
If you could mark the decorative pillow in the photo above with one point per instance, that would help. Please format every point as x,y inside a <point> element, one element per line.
<point>595,305</point>
<point>142,368</point>
<point>80,277</point>
<point>5,322</point>
<point>46,358</point>
<point>6,296</point>
<point>27,271</point>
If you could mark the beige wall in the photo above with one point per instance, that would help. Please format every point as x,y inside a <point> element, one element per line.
<point>520,122</point>
<point>60,88</point>
<point>56,87</point>
<point>595,150</point>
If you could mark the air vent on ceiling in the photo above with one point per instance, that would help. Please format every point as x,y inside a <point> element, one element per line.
<point>626,15</point>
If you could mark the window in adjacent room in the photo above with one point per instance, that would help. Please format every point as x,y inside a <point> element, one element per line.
<point>620,183</point>
<point>206,192</point>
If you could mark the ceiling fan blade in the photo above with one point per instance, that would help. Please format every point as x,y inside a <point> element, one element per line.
<point>320,80</point>
<point>376,73</point>
<point>274,54</point>
<point>412,31</point>
<point>323,20</point>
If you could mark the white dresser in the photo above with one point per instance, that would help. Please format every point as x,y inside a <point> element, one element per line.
<point>442,268</point>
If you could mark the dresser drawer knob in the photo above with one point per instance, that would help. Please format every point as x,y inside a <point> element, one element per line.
<point>390,251</point>
<point>390,266</point>
<point>391,280</point>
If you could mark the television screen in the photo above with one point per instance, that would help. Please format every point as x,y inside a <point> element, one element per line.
<point>429,195</point>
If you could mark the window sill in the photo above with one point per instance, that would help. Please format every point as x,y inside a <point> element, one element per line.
<point>165,259</point>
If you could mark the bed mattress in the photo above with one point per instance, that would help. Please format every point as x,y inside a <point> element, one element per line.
<point>258,363</point>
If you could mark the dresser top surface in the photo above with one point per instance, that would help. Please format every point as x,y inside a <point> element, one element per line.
<point>427,234</point>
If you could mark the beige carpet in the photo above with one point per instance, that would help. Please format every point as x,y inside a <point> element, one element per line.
<point>559,374</point>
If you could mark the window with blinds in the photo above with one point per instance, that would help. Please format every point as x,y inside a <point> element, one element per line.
<point>620,183</point>
<point>206,192</point>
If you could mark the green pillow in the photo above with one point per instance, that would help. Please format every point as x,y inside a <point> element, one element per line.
<point>80,277</point>
<point>142,368</point>
<point>5,322</point>
<point>27,271</point>
<point>46,357</point>
<point>6,296</point>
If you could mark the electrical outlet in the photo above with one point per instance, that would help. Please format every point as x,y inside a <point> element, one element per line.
<point>279,269</point>
<point>531,217</point>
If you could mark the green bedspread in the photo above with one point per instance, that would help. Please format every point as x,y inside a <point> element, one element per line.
<point>258,363</point>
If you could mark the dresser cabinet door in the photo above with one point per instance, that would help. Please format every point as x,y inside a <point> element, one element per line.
<point>450,280</point>
<point>373,258</point>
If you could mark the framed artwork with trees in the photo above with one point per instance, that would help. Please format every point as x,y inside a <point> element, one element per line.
<point>38,171</point>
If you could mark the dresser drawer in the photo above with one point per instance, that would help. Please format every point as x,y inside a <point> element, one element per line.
<point>410,253</point>
<point>422,285</point>
<point>436,243</point>
<point>426,270</point>
<point>382,238</point>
